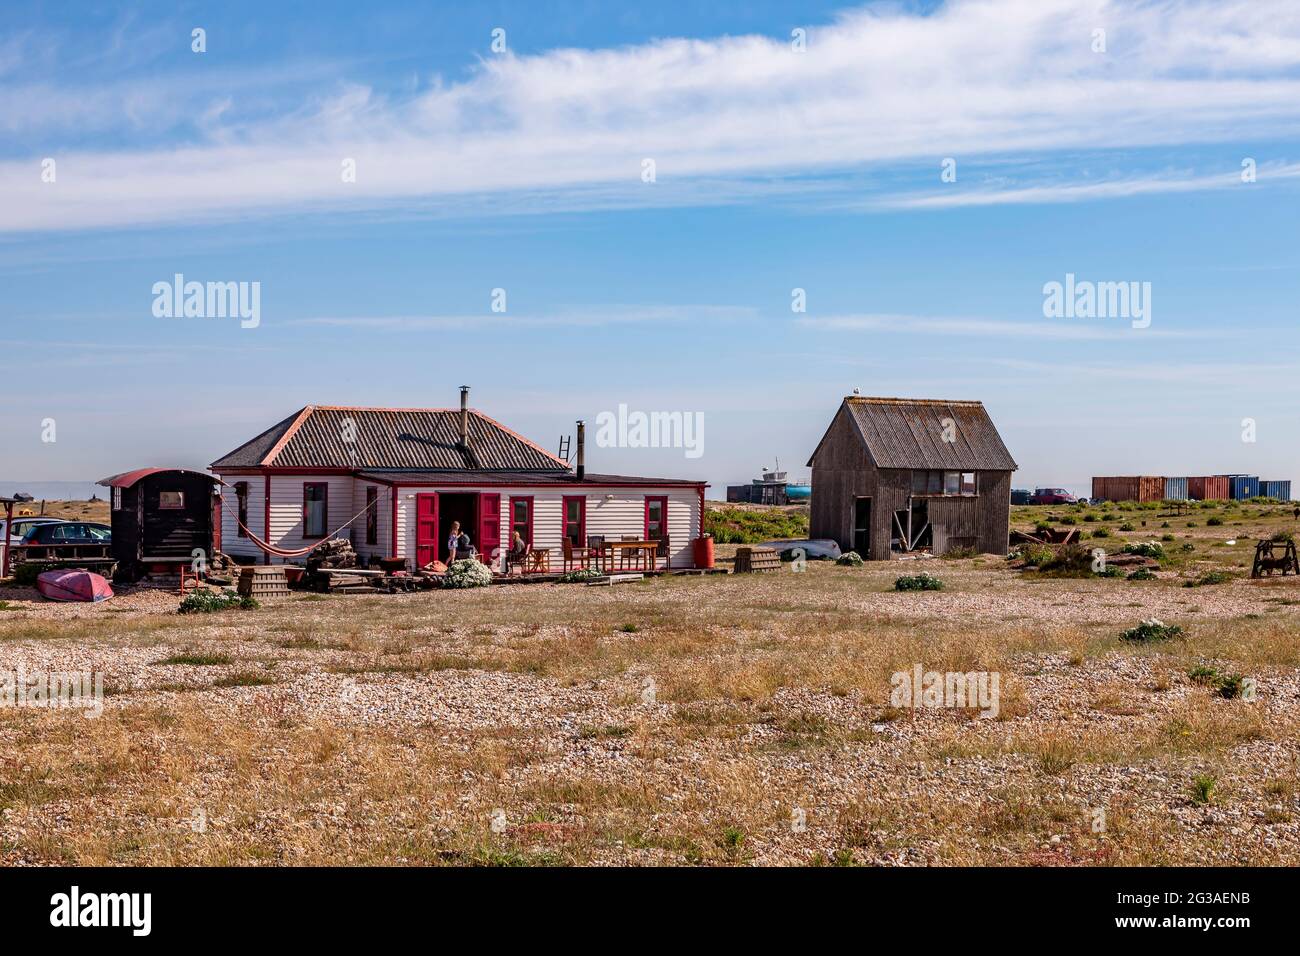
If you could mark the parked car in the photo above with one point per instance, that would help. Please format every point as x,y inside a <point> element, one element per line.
<point>1052,496</point>
<point>1021,496</point>
<point>814,549</point>
<point>21,526</point>
<point>69,532</point>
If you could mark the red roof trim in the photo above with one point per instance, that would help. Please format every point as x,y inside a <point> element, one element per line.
<point>128,478</point>
<point>288,433</point>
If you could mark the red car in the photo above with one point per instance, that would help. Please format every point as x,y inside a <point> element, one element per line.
<point>1052,496</point>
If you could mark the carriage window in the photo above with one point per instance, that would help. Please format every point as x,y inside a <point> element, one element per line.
<point>315,506</point>
<point>171,500</point>
<point>117,499</point>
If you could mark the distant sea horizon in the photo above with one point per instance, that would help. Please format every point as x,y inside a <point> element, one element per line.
<point>52,490</point>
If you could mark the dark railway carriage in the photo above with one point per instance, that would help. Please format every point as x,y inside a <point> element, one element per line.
<point>160,517</point>
<point>895,475</point>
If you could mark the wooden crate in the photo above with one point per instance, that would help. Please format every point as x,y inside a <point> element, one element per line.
<point>757,559</point>
<point>263,582</point>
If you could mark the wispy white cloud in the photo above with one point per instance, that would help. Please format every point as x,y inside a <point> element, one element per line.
<point>878,86</point>
<point>1064,192</point>
<point>1038,328</point>
<point>586,316</point>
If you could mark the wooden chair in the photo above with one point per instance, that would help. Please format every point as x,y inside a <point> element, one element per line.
<point>595,548</point>
<point>575,557</point>
<point>517,560</point>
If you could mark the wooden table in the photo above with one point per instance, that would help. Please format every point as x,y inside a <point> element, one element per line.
<point>617,552</point>
<point>539,560</point>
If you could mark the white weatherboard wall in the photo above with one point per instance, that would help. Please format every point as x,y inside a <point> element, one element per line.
<point>623,513</point>
<point>231,543</point>
<point>384,511</point>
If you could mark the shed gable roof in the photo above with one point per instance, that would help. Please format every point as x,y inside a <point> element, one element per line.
<point>909,433</point>
<point>401,438</point>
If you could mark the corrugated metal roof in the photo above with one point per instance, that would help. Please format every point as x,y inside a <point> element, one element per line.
<point>407,438</point>
<point>481,477</point>
<point>909,433</point>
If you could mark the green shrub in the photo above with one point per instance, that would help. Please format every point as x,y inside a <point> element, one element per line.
<point>1142,574</point>
<point>467,573</point>
<point>206,602</point>
<point>579,575</point>
<point>1042,527</point>
<point>26,573</point>
<point>1209,577</point>
<point>1201,674</point>
<point>1037,555</point>
<point>1109,571</point>
<point>1150,631</point>
<point>1090,517</point>
<point>1127,526</point>
<point>1230,686</point>
<point>850,559</point>
<point>196,660</point>
<point>918,582</point>
<point>1069,519</point>
<point>1101,533</point>
<point>1191,524</point>
<point>1166,537</point>
<point>1213,521</point>
<point>1164,524</point>
<point>1148,549</point>
<point>1281,537</point>
<point>742,526</point>
<point>1203,788</point>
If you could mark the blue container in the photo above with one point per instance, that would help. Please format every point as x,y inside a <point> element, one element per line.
<point>1241,487</point>
<point>1175,489</point>
<point>1277,490</point>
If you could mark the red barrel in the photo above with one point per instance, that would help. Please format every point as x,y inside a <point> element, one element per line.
<point>702,549</point>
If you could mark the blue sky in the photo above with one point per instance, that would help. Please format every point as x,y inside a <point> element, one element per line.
<point>774,170</point>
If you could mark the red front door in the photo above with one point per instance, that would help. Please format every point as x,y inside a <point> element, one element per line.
<point>489,527</point>
<point>426,529</point>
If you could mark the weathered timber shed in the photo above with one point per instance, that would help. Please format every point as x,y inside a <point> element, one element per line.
<point>160,517</point>
<point>893,475</point>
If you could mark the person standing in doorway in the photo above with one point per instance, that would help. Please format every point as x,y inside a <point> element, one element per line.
<point>453,541</point>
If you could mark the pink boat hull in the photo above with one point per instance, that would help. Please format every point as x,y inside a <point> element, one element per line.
<point>74,585</point>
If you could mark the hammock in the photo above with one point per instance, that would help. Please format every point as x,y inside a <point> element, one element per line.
<point>299,552</point>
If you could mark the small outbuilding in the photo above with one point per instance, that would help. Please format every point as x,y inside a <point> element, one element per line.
<point>893,475</point>
<point>160,517</point>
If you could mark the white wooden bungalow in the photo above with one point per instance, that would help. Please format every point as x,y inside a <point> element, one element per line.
<point>415,471</point>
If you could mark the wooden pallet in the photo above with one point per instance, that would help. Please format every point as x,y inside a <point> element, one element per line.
<point>263,581</point>
<point>757,559</point>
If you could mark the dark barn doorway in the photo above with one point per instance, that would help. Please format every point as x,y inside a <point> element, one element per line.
<point>862,527</point>
<point>462,507</point>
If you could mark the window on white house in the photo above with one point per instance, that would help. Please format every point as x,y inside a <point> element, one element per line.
<point>315,508</point>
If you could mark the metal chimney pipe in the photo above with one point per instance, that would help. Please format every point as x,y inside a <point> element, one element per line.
<point>582,449</point>
<point>464,416</point>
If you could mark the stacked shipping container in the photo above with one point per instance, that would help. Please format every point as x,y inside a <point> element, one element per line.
<point>1208,488</point>
<point>1277,490</point>
<point>1241,487</point>
<point>1129,488</point>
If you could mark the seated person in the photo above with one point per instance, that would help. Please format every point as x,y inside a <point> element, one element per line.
<point>518,550</point>
<point>463,547</point>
